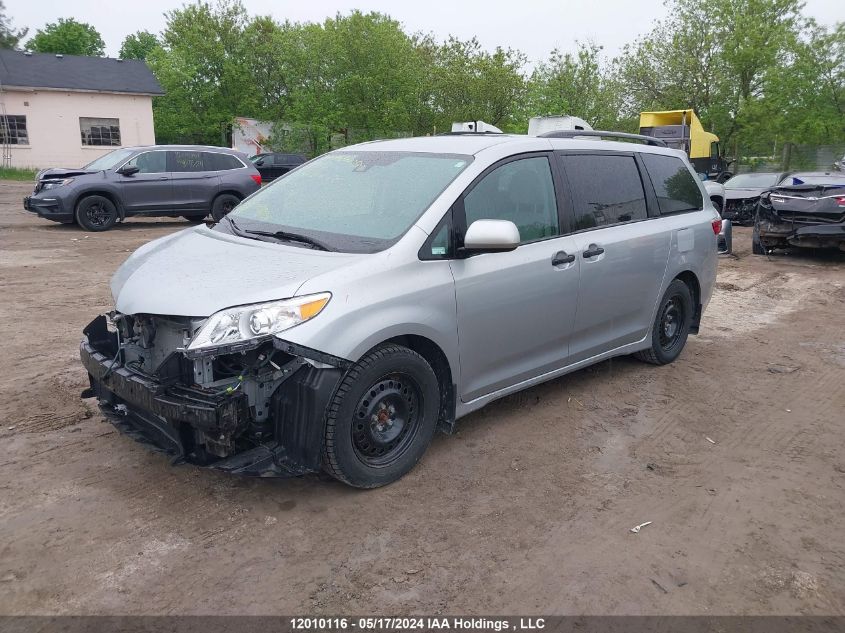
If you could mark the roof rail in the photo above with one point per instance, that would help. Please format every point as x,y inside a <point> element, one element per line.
<point>649,140</point>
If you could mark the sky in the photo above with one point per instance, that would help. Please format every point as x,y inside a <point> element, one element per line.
<point>533,26</point>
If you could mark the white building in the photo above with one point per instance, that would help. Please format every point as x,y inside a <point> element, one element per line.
<point>66,110</point>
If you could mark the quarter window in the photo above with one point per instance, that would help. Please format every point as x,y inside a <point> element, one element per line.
<point>606,190</point>
<point>215,161</point>
<point>99,131</point>
<point>676,188</point>
<point>13,129</point>
<point>521,191</point>
<point>149,162</point>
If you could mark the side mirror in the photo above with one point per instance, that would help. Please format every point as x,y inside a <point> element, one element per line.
<point>128,170</point>
<point>491,235</point>
<point>259,162</point>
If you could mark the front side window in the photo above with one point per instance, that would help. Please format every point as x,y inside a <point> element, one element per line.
<point>13,129</point>
<point>186,161</point>
<point>521,191</point>
<point>150,162</point>
<point>99,131</point>
<point>606,190</point>
<point>676,188</point>
<point>355,201</point>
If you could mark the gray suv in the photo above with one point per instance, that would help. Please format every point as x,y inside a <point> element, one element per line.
<point>157,180</point>
<point>382,291</point>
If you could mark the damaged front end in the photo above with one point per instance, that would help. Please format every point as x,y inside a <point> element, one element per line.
<point>252,407</point>
<point>808,216</point>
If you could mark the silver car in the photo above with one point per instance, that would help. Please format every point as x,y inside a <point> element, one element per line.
<point>381,292</point>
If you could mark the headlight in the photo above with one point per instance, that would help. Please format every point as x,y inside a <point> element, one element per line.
<point>52,184</point>
<point>258,320</point>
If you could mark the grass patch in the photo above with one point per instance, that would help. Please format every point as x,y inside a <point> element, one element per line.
<point>17,173</point>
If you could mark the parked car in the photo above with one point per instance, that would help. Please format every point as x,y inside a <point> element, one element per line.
<point>808,211</point>
<point>155,180</point>
<point>839,165</point>
<point>271,165</point>
<point>384,290</point>
<point>742,192</point>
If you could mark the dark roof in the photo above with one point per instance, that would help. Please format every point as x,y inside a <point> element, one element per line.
<point>73,72</point>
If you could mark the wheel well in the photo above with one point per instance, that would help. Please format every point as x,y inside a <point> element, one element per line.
<point>435,357</point>
<point>718,202</point>
<point>233,192</point>
<point>106,194</point>
<point>689,278</point>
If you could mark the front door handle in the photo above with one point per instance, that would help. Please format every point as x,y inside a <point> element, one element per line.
<point>592,251</point>
<point>562,257</point>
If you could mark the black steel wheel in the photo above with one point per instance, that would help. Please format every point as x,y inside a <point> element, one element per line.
<point>671,325</point>
<point>381,418</point>
<point>387,418</point>
<point>96,213</point>
<point>671,321</point>
<point>222,205</point>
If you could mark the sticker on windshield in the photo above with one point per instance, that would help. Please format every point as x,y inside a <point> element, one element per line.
<point>438,250</point>
<point>460,164</point>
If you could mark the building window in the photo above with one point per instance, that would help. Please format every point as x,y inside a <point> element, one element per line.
<point>99,131</point>
<point>13,129</point>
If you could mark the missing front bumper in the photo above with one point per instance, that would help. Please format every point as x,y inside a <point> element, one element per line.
<point>187,422</point>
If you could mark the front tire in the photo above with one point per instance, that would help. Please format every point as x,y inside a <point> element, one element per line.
<point>671,325</point>
<point>96,213</point>
<point>222,205</point>
<point>382,418</point>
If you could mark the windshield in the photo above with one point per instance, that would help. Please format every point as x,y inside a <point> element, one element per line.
<point>112,159</point>
<point>809,179</point>
<point>752,181</point>
<point>351,201</point>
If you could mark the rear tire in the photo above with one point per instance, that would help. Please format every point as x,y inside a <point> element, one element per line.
<point>96,213</point>
<point>671,325</point>
<point>382,418</point>
<point>222,205</point>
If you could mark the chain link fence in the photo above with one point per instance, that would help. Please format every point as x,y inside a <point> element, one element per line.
<point>313,140</point>
<point>792,157</point>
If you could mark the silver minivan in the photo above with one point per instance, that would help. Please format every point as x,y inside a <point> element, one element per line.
<point>382,291</point>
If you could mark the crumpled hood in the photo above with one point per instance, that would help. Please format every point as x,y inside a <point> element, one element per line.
<point>59,172</point>
<point>197,272</point>
<point>741,194</point>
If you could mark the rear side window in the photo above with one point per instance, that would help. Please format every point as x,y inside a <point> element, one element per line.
<point>676,188</point>
<point>606,190</point>
<point>185,161</point>
<point>214,161</point>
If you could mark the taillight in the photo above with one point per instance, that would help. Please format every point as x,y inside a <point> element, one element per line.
<point>256,178</point>
<point>841,201</point>
<point>717,226</point>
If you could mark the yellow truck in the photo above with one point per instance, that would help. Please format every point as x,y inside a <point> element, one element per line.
<point>681,129</point>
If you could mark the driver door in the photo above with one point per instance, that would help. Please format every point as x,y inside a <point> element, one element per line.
<point>515,310</point>
<point>150,188</point>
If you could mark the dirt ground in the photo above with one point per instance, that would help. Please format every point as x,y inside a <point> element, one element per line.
<point>735,453</point>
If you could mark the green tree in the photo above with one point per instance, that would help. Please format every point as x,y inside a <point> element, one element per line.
<point>579,84</point>
<point>201,67</point>
<point>716,58</point>
<point>9,37</point>
<point>473,84</point>
<point>138,45</point>
<point>68,37</point>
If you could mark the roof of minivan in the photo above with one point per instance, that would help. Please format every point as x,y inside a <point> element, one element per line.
<point>474,143</point>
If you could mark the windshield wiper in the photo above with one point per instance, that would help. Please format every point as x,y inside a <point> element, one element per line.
<point>281,235</point>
